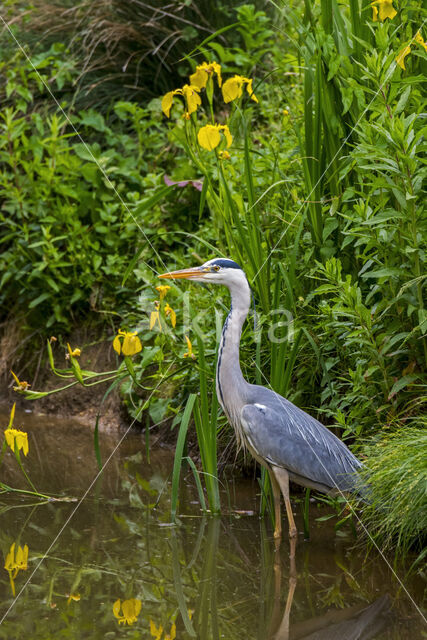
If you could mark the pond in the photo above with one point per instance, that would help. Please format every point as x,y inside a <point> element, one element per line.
<point>109,555</point>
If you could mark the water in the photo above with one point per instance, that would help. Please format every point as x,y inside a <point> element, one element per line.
<point>206,578</point>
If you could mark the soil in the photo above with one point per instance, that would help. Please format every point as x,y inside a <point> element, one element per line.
<point>77,402</point>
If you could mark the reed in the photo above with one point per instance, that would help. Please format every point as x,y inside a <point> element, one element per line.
<point>205,414</point>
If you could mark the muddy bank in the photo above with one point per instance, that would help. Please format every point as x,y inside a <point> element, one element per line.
<point>78,402</point>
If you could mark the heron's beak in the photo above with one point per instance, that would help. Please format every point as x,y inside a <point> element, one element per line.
<point>183,273</point>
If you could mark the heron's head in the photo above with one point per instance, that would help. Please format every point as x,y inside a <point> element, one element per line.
<point>216,271</point>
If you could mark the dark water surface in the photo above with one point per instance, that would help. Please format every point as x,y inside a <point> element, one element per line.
<point>206,578</point>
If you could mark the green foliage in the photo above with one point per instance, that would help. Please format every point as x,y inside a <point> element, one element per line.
<point>321,200</point>
<point>74,194</point>
<point>365,353</point>
<point>397,470</point>
<point>134,49</point>
<point>254,44</point>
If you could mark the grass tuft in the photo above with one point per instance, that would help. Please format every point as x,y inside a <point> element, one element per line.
<point>397,468</point>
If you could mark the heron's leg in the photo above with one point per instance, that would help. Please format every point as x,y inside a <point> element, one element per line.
<point>282,478</point>
<point>277,511</point>
<point>282,625</point>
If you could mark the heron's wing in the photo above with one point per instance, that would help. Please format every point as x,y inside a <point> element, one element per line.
<point>286,436</point>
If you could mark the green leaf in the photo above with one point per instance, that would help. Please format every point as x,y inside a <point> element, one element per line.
<point>147,203</point>
<point>41,298</point>
<point>390,272</point>
<point>92,118</point>
<point>179,449</point>
<point>401,384</point>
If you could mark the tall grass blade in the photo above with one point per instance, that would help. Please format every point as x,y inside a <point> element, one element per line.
<point>207,595</point>
<point>355,26</point>
<point>182,435</point>
<point>179,591</point>
<point>198,483</point>
<point>306,514</point>
<point>205,420</point>
<point>326,11</point>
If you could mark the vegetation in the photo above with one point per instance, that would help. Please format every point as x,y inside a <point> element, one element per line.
<point>303,161</point>
<point>396,468</point>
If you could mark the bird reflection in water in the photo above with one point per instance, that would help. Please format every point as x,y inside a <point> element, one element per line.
<point>359,622</point>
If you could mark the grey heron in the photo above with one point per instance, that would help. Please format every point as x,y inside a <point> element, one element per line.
<point>291,444</point>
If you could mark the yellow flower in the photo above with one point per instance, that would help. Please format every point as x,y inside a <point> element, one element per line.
<point>224,155</point>
<point>131,343</point>
<point>209,136</point>
<point>22,385</point>
<point>73,353</point>
<point>192,98</point>
<point>233,87</point>
<point>157,631</point>
<point>20,562</point>
<point>189,353</point>
<point>402,55</point>
<point>285,112</point>
<point>250,90</point>
<point>14,564</point>
<point>155,317</point>
<point>18,439</point>
<point>130,610</point>
<point>170,312</point>
<point>73,596</point>
<point>385,10</point>
<point>204,71</point>
<point>190,95</point>
<point>162,289</point>
<point>420,40</point>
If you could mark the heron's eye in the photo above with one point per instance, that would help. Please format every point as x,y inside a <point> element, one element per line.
<point>216,267</point>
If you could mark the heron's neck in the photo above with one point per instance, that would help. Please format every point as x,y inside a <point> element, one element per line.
<point>230,382</point>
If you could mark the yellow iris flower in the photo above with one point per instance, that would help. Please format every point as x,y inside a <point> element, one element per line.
<point>21,385</point>
<point>189,353</point>
<point>73,596</point>
<point>157,632</point>
<point>384,10</point>
<point>170,312</point>
<point>130,610</point>
<point>191,97</point>
<point>15,563</point>
<point>233,88</point>
<point>131,343</point>
<point>400,59</point>
<point>209,136</point>
<point>420,40</point>
<point>402,55</point>
<point>204,71</point>
<point>162,289</point>
<point>17,438</point>
<point>155,317</point>
<point>75,353</point>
